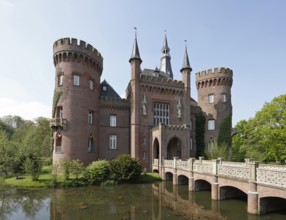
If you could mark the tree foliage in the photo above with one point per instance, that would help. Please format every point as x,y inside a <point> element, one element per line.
<point>125,169</point>
<point>97,172</point>
<point>263,137</point>
<point>20,138</point>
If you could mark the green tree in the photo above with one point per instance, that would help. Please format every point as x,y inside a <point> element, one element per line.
<point>6,153</point>
<point>263,138</point>
<point>33,165</point>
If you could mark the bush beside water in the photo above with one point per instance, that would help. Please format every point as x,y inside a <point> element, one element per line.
<point>122,169</point>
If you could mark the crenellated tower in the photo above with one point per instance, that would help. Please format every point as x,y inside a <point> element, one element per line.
<point>214,97</point>
<point>76,100</point>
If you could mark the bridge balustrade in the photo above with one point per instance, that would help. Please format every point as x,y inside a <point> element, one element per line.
<point>261,182</point>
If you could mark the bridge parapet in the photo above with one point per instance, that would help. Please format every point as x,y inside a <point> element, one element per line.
<point>271,175</point>
<point>251,171</point>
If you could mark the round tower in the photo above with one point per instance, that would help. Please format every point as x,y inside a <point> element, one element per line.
<point>214,97</point>
<point>76,100</point>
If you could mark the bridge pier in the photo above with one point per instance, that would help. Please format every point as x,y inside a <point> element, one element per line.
<point>252,199</point>
<point>191,184</point>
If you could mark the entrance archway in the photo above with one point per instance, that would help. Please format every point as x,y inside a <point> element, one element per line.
<point>156,149</point>
<point>174,148</point>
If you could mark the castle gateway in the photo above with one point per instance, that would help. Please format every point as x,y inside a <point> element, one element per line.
<point>158,118</point>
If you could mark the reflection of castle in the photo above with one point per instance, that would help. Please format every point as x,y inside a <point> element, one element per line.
<point>156,119</point>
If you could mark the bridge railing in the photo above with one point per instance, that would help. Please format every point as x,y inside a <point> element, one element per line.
<point>274,175</point>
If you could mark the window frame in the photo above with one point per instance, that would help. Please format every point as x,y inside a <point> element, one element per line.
<point>211,98</point>
<point>112,142</point>
<point>60,79</point>
<point>223,98</point>
<point>76,80</point>
<point>90,117</point>
<point>91,84</point>
<point>211,124</point>
<point>161,113</point>
<point>112,120</point>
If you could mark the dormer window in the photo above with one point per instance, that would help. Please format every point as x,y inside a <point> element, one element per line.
<point>104,88</point>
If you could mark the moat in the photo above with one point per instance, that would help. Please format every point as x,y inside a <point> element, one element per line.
<point>158,201</point>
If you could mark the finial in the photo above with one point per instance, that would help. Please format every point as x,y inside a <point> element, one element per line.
<point>186,43</point>
<point>135,29</point>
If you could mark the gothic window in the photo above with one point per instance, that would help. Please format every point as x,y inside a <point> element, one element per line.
<point>112,142</point>
<point>90,117</point>
<point>211,124</point>
<point>76,80</point>
<point>211,98</point>
<point>112,120</point>
<point>90,147</point>
<point>161,113</point>
<point>58,148</point>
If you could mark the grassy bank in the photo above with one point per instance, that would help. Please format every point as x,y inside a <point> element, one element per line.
<point>46,180</point>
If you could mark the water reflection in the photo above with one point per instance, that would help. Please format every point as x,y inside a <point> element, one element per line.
<point>158,201</point>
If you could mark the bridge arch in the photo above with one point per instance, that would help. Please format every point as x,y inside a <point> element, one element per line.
<point>202,185</point>
<point>271,204</point>
<point>169,176</point>
<point>183,180</point>
<point>174,148</point>
<point>230,192</point>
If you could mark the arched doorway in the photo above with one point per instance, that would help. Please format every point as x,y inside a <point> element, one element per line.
<point>156,149</point>
<point>174,148</point>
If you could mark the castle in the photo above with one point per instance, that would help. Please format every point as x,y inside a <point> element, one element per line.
<point>156,119</point>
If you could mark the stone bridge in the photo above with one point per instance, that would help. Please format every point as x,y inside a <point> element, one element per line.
<point>262,185</point>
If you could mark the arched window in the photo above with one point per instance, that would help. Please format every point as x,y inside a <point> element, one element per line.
<point>90,147</point>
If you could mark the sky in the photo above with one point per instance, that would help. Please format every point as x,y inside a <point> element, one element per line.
<point>247,36</point>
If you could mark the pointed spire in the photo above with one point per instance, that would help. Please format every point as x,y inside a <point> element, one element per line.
<point>186,62</point>
<point>165,48</point>
<point>166,59</point>
<point>135,51</point>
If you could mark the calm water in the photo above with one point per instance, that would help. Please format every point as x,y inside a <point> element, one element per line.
<point>143,201</point>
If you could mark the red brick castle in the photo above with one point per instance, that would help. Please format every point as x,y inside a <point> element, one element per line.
<point>156,119</point>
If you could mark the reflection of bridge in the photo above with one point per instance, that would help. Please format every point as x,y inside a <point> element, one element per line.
<point>263,185</point>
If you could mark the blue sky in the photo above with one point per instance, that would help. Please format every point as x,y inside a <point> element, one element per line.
<point>248,36</point>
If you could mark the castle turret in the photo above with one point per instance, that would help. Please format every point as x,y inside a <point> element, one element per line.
<point>166,59</point>
<point>214,97</point>
<point>186,78</point>
<point>135,62</point>
<point>75,117</point>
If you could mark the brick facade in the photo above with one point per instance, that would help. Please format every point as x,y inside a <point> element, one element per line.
<point>156,119</point>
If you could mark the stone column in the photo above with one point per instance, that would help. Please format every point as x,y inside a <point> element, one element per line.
<point>175,177</point>
<point>191,175</point>
<point>215,191</point>
<point>252,195</point>
<point>215,185</point>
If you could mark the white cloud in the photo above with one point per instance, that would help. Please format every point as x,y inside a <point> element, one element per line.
<point>26,110</point>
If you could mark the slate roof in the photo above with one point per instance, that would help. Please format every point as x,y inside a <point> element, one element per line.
<point>155,73</point>
<point>109,92</point>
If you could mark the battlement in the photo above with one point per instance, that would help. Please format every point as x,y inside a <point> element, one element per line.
<point>72,45</point>
<point>214,73</point>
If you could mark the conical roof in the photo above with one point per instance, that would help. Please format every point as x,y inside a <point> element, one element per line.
<point>186,62</point>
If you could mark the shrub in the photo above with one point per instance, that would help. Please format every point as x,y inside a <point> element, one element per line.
<point>125,169</point>
<point>33,165</point>
<point>76,168</point>
<point>97,172</point>
<point>65,168</point>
